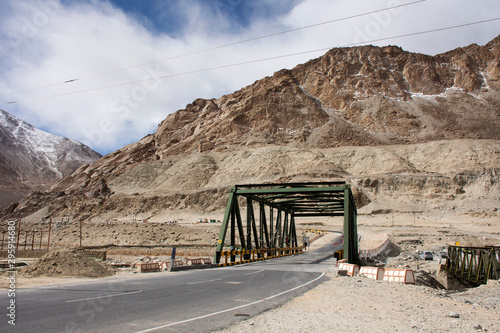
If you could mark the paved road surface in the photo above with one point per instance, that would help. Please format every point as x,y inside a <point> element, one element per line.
<point>188,301</point>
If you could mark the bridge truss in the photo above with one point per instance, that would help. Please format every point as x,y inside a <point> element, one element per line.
<point>278,206</point>
<point>474,264</point>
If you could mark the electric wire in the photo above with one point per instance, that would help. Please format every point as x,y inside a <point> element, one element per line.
<point>265,59</point>
<point>215,48</point>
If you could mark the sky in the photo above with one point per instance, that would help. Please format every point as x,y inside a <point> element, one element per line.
<point>107,72</point>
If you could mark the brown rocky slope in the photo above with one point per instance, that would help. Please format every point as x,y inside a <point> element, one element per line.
<point>409,131</point>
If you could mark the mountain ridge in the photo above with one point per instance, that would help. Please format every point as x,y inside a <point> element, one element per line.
<point>341,98</point>
<point>33,160</point>
<point>360,96</point>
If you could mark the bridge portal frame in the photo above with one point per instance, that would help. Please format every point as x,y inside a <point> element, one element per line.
<point>285,202</point>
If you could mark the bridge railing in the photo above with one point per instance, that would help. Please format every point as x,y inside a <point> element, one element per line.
<point>246,256</point>
<point>315,231</point>
<point>474,264</point>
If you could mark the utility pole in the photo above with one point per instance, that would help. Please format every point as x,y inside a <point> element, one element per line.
<point>33,240</point>
<point>50,228</point>
<point>80,233</point>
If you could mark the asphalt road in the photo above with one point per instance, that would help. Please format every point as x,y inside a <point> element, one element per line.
<point>185,301</point>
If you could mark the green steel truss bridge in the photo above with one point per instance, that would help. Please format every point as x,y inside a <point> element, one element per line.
<point>278,206</point>
<point>474,264</point>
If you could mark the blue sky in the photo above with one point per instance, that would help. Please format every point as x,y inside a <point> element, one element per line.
<point>170,16</point>
<point>106,72</point>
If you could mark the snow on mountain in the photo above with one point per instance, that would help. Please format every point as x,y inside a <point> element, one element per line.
<point>32,160</point>
<point>426,128</point>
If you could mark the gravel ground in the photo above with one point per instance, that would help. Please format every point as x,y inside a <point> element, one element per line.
<point>358,304</point>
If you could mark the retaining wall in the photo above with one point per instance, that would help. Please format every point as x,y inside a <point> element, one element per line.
<point>373,252</point>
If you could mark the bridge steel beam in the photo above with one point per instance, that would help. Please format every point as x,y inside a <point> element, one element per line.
<point>277,230</point>
<point>474,264</point>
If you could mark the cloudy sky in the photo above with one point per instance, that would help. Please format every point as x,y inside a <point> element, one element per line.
<point>106,72</point>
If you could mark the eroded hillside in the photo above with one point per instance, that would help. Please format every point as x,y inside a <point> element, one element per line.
<point>408,131</point>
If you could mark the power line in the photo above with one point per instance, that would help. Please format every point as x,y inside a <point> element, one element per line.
<point>216,47</point>
<point>267,59</point>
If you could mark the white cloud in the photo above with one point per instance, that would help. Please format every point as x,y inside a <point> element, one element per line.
<point>47,42</point>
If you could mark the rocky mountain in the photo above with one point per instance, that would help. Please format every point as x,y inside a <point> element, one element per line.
<point>409,131</point>
<point>33,160</point>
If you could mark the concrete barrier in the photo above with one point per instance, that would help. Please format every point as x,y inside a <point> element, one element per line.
<point>375,273</point>
<point>148,267</point>
<point>340,261</point>
<point>405,276</point>
<point>199,261</point>
<point>195,261</point>
<point>351,269</point>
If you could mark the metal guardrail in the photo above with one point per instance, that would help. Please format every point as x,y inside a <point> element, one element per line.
<point>246,256</point>
<point>315,231</point>
<point>474,264</point>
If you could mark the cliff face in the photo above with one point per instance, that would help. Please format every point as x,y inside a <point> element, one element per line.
<point>350,96</point>
<point>362,96</point>
<point>33,160</point>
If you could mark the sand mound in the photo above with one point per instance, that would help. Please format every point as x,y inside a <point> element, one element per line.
<point>67,263</point>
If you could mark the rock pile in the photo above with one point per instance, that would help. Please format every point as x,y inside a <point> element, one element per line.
<point>67,263</point>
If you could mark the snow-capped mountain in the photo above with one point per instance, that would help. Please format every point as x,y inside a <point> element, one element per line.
<point>33,160</point>
<point>408,131</point>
